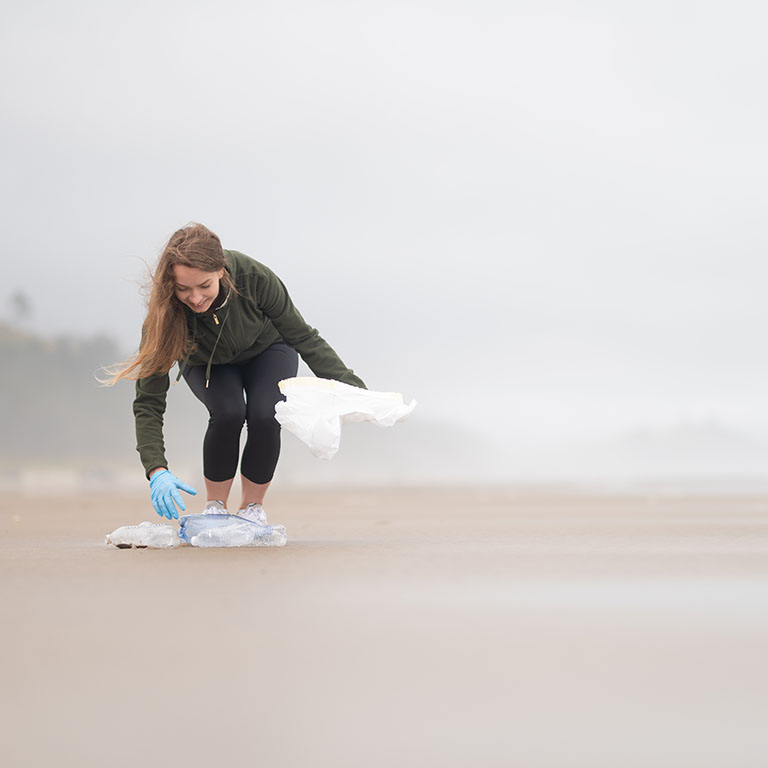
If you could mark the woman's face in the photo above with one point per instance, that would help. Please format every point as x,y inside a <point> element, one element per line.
<point>195,288</point>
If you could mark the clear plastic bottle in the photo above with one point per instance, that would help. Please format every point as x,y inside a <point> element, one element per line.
<point>153,535</point>
<point>229,531</point>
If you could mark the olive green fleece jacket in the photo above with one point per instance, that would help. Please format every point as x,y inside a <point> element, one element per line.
<point>258,314</point>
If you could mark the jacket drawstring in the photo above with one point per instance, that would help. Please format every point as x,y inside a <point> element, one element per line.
<point>213,351</point>
<point>184,364</point>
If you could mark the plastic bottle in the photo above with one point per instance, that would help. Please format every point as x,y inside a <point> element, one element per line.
<point>153,535</point>
<point>229,531</point>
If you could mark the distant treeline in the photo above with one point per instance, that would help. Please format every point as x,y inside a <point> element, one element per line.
<point>53,407</point>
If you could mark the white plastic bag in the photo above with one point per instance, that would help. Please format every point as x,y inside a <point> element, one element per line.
<point>315,409</point>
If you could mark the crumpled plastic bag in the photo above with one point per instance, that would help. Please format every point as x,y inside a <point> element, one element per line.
<point>315,409</point>
<point>152,535</point>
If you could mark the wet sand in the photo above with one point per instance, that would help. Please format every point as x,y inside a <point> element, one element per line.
<point>403,628</point>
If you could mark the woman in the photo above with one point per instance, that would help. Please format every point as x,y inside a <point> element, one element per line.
<point>232,327</point>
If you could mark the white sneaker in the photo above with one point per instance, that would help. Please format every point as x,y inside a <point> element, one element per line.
<point>215,507</point>
<point>255,513</point>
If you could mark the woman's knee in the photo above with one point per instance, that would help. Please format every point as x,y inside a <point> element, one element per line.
<point>262,419</point>
<point>228,416</point>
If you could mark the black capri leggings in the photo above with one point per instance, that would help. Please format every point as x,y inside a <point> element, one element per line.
<point>237,394</point>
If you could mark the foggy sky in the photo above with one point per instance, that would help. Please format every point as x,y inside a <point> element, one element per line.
<point>538,219</point>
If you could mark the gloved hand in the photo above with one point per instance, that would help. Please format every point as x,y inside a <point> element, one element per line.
<point>164,487</point>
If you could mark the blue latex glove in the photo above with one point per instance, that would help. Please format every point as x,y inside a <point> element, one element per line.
<point>164,487</point>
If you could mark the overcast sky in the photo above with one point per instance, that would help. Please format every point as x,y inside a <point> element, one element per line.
<point>542,218</point>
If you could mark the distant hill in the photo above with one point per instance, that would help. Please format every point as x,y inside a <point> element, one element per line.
<point>704,456</point>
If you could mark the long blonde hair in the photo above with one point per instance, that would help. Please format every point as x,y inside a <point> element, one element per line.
<point>164,337</point>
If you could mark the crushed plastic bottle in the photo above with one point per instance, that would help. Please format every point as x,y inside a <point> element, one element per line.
<point>153,535</point>
<point>229,531</point>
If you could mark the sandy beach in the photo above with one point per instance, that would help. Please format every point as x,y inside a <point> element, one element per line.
<point>396,628</point>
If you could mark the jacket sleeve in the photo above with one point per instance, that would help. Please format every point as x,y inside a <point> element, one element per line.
<point>273,300</point>
<point>148,411</point>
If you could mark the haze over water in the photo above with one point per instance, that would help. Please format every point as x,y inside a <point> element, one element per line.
<point>544,221</point>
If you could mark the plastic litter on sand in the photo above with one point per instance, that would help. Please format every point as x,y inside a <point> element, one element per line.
<point>229,531</point>
<point>205,530</point>
<point>152,535</point>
